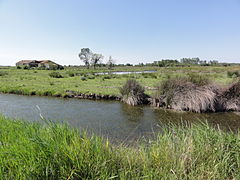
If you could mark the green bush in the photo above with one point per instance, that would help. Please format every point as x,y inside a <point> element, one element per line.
<point>198,79</point>
<point>26,67</point>
<point>106,77</point>
<point>83,78</point>
<point>55,75</point>
<point>71,74</point>
<point>3,73</point>
<point>91,77</point>
<point>233,74</point>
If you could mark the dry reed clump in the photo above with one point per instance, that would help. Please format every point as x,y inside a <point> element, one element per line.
<point>192,93</point>
<point>133,93</point>
<point>229,99</point>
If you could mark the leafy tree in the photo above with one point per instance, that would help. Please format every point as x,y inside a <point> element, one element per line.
<point>96,58</point>
<point>86,56</point>
<point>110,62</point>
<point>190,60</point>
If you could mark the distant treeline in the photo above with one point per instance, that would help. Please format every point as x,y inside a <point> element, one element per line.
<point>186,62</point>
<point>173,62</point>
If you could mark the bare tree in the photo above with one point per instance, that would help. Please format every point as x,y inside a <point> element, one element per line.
<point>86,56</point>
<point>96,58</point>
<point>110,62</point>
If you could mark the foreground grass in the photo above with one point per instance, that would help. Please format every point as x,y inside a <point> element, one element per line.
<point>55,151</point>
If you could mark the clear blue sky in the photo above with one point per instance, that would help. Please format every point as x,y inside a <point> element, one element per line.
<point>130,30</point>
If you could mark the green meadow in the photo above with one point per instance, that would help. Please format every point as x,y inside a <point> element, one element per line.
<point>39,82</point>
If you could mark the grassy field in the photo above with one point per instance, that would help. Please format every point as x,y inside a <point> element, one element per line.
<point>38,82</point>
<point>55,151</point>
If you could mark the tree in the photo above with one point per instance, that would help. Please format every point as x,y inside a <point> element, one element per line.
<point>110,62</point>
<point>96,58</point>
<point>86,56</point>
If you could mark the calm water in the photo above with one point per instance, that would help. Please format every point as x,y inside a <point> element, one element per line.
<point>117,121</point>
<point>124,72</point>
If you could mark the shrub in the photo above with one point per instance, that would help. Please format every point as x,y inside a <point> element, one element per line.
<point>26,67</point>
<point>41,68</point>
<point>91,77</point>
<point>55,75</point>
<point>132,93</point>
<point>19,67</point>
<point>233,74</point>
<point>149,75</point>
<point>229,99</point>
<point>71,74</point>
<point>83,78</point>
<point>3,73</point>
<point>198,79</point>
<point>106,77</point>
<point>186,94</point>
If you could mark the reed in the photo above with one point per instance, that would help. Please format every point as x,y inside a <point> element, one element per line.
<point>56,151</point>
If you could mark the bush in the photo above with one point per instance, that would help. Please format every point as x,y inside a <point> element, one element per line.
<point>190,93</point>
<point>198,79</point>
<point>19,67</point>
<point>41,68</point>
<point>71,74</point>
<point>149,75</point>
<point>83,78</point>
<point>91,77</point>
<point>233,74</point>
<point>132,93</point>
<point>55,75</point>
<point>3,73</point>
<point>26,67</point>
<point>106,77</point>
<point>229,99</point>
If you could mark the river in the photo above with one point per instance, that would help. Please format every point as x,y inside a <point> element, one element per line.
<point>117,121</point>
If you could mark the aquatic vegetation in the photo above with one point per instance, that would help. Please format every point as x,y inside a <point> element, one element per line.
<point>197,94</point>
<point>184,93</point>
<point>132,93</point>
<point>56,151</point>
<point>229,99</point>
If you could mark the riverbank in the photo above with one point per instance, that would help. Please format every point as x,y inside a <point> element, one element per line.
<point>86,84</point>
<point>84,81</point>
<point>56,151</point>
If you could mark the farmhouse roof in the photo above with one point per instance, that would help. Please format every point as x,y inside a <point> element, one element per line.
<point>27,61</point>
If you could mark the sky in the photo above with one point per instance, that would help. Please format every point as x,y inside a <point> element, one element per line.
<point>131,31</point>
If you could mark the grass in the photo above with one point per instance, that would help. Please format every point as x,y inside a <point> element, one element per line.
<point>38,82</point>
<point>56,151</point>
<point>132,92</point>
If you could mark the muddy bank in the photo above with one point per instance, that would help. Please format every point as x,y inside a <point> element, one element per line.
<point>93,96</point>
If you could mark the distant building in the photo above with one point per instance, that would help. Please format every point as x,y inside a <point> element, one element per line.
<point>47,64</point>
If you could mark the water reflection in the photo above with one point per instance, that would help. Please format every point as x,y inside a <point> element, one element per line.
<point>131,113</point>
<point>224,120</point>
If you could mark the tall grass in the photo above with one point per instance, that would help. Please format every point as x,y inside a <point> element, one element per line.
<point>55,151</point>
<point>132,92</point>
<point>187,93</point>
